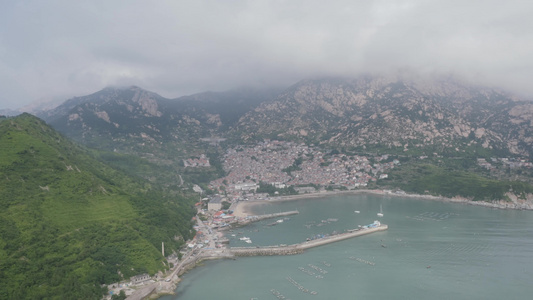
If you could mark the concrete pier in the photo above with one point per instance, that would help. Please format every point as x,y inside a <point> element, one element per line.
<point>299,248</point>
<point>251,219</point>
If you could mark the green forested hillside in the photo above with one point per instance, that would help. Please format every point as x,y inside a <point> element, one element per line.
<point>69,223</point>
<point>424,178</point>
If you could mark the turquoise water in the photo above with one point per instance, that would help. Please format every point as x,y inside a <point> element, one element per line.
<point>432,250</point>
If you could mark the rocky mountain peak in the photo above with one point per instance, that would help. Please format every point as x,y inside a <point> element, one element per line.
<point>367,112</point>
<point>440,114</point>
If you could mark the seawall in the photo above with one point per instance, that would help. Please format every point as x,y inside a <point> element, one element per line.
<point>251,219</point>
<point>299,248</point>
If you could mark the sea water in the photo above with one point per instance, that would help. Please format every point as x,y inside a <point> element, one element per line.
<point>432,250</point>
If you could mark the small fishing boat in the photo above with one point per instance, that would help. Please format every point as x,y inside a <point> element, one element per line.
<point>380,213</point>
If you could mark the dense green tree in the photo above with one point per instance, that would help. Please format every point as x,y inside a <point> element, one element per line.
<point>70,223</point>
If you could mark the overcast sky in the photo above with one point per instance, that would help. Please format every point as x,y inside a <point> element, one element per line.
<point>60,49</point>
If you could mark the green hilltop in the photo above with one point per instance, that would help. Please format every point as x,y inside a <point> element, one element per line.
<point>70,223</point>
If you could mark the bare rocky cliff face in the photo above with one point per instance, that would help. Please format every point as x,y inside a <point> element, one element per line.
<point>131,119</point>
<point>373,113</point>
<point>440,115</point>
<point>112,115</point>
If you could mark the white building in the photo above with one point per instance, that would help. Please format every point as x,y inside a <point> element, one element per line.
<point>246,186</point>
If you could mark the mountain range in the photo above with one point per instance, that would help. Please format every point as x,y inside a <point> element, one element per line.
<point>438,116</point>
<point>380,114</point>
<point>125,117</point>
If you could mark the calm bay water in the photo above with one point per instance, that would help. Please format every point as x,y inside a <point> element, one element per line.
<point>432,250</point>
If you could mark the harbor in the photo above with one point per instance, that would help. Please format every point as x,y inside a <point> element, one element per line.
<point>213,246</point>
<point>467,248</point>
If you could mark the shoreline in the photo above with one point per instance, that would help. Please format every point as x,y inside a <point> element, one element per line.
<point>244,208</point>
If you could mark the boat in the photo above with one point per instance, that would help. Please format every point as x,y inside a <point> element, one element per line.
<point>380,213</point>
<point>356,211</point>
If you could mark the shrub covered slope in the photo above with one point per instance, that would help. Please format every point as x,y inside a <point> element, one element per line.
<point>70,223</point>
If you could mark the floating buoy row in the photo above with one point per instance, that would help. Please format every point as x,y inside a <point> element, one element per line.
<point>308,272</point>
<point>300,287</point>
<point>432,216</point>
<point>278,294</point>
<point>362,260</point>
<point>318,269</point>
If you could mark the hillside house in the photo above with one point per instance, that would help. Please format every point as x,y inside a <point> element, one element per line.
<point>137,279</point>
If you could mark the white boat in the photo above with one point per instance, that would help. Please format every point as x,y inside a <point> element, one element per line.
<point>356,211</point>
<point>380,213</point>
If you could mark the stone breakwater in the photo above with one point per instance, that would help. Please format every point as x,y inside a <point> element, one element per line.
<point>301,247</point>
<point>266,251</point>
<point>258,218</point>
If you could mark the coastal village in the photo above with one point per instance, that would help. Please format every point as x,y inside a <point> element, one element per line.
<point>281,165</point>
<point>276,163</point>
<point>288,164</point>
<point>296,168</point>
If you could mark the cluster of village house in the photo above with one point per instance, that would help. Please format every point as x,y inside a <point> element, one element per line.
<point>273,162</point>
<point>217,219</point>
